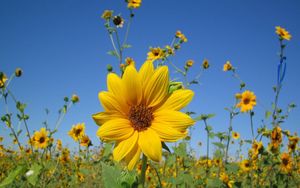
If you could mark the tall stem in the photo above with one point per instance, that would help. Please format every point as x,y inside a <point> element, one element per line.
<point>207,148</point>
<point>251,121</point>
<point>229,136</point>
<point>144,168</point>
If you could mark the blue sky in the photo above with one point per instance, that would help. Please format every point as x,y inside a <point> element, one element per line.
<point>62,45</point>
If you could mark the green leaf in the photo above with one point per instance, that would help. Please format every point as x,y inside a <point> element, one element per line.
<point>211,135</point>
<point>11,176</point>
<point>128,179</point>
<point>110,175</point>
<point>219,145</point>
<point>204,117</point>
<point>268,114</point>
<point>214,182</point>
<point>126,46</point>
<point>107,149</point>
<point>232,168</point>
<point>36,169</point>
<point>112,53</point>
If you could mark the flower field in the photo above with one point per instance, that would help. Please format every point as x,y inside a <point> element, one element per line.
<point>145,127</point>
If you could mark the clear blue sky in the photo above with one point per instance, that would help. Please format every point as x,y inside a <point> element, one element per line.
<point>62,45</point>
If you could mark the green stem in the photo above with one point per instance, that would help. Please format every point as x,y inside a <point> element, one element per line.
<point>207,148</point>
<point>157,174</point>
<point>251,122</point>
<point>144,168</point>
<point>229,136</point>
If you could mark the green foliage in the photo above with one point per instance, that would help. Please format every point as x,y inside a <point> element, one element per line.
<point>36,169</point>
<point>12,176</point>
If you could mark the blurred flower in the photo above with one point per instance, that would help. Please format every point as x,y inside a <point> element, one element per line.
<point>247,101</point>
<point>58,144</point>
<point>134,3</point>
<point>140,114</point>
<point>286,162</point>
<point>181,36</point>
<point>85,141</point>
<point>65,156</point>
<point>256,148</point>
<point>18,72</point>
<point>235,135</point>
<point>282,33</point>
<point>40,138</point>
<point>107,14</point>
<point>118,21</point>
<point>293,142</point>
<point>225,178</point>
<point>3,79</point>
<point>276,137</point>
<point>205,64</point>
<point>77,131</point>
<point>75,98</point>
<point>155,53</point>
<point>189,63</point>
<point>129,61</point>
<point>170,50</point>
<point>245,165</point>
<point>227,66</point>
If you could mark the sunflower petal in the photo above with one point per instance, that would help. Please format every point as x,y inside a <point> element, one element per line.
<point>157,89</point>
<point>116,129</point>
<point>177,120</point>
<point>124,147</point>
<point>133,157</point>
<point>102,117</point>
<point>150,144</point>
<point>166,132</point>
<point>178,100</point>
<point>110,102</point>
<point>132,85</point>
<point>146,72</point>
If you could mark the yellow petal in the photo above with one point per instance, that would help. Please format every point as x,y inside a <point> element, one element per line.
<point>124,147</point>
<point>150,144</point>
<point>132,85</point>
<point>177,120</point>
<point>110,102</point>
<point>157,89</point>
<point>166,132</point>
<point>116,129</point>
<point>146,72</point>
<point>133,157</point>
<point>102,117</point>
<point>178,100</point>
<point>114,84</point>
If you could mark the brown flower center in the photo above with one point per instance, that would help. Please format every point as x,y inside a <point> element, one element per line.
<point>246,101</point>
<point>42,139</point>
<point>140,117</point>
<point>285,161</point>
<point>77,132</point>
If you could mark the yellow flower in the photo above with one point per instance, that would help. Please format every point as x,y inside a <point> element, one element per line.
<point>245,165</point>
<point>85,141</point>
<point>181,36</point>
<point>227,66</point>
<point>40,138</point>
<point>75,98</point>
<point>225,178</point>
<point>205,64</point>
<point>256,148</point>
<point>3,79</point>
<point>139,113</point>
<point>118,21</point>
<point>18,72</point>
<point>282,33</point>
<point>58,144</point>
<point>65,156</point>
<point>276,137</point>
<point>170,50</point>
<point>77,131</point>
<point>189,63</point>
<point>80,176</point>
<point>129,61</point>
<point>134,3</point>
<point>286,162</point>
<point>107,14</point>
<point>235,135</point>
<point>247,101</point>
<point>293,142</point>
<point>155,53</point>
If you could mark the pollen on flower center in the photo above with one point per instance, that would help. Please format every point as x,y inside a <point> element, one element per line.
<point>246,101</point>
<point>140,117</point>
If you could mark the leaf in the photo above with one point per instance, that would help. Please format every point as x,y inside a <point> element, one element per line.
<point>267,114</point>
<point>204,117</point>
<point>232,168</point>
<point>128,179</point>
<point>32,179</point>
<point>211,135</point>
<point>110,175</point>
<point>107,149</point>
<point>126,46</point>
<point>219,145</point>
<point>11,176</point>
<point>214,182</point>
<point>112,53</point>
<point>165,146</point>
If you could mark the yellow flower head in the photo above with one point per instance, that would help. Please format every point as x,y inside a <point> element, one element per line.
<point>40,138</point>
<point>205,64</point>
<point>170,50</point>
<point>286,162</point>
<point>58,144</point>
<point>77,131</point>
<point>129,61</point>
<point>293,142</point>
<point>181,36</point>
<point>3,79</point>
<point>256,147</point>
<point>85,141</point>
<point>247,101</point>
<point>107,14</point>
<point>189,63</point>
<point>235,135</point>
<point>134,3</point>
<point>227,66</point>
<point>276,137</point>
<point>75,98</point>
<point>245,165</point>
<point>139,113</point>
<point>65,156</point>
<point>155,53</point>
<point>282,33</point>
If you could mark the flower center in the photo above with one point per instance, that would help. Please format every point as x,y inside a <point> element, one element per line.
<point>42,140</point>
<point>77,132</point>
<point>140,117</point>
<point>246,101</point>
<point>285,161</point>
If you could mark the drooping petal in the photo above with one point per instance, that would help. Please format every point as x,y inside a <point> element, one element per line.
<point>177,120</point>
<point>166,132</point>
<point>157,89</point>
<point>133,157</point>
<point>111,103</point>
<point>178,100</point>
<point>124,147</point>
<point>132,85</point>
<point>115,130</point>
<point>150,144</point>
<point>102,117</point>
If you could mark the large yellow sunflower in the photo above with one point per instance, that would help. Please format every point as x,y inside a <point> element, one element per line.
<point>139,113</point>
<point>247,101</point>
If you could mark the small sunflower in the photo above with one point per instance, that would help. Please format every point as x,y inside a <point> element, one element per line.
<point>3,79</point>
<point>40,138</point>
<point>227,66</point>
<point>189,63</point>
<point>282,33</point>
<point>256,148</point>
<point>245,165</point>
<point>129,61</point>
<point>77,131</point>
<point>205,64</point>
<point>58,144</point>
<point>247,101</point>
<point>107,14</point>
<point>139,113</point>
<point>293,142</point>
<point>155,53</point>
<point>286,162</point>
<point>134,3</point>
<point>85,141</point>
<point>118,21</point>
<point>181,36</point>
<point>235,135</point>
<point>276,137</point>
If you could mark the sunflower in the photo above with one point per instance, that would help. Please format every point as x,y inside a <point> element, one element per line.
<point>189,63</point>
<point>257,148</point>
<point>247,101</point>
<point>235,135</point>
<point>65,156</point>
<point>205,64</point>
<point>85,141</point>
<point>245,165</point>
<point>58,144</point>
<point>139,113</point>
<point>40,138</point>
<point>155,53</point>
<point>293,142</point>
<point>276,137</point>
<point>181,36</point>
<point>225,178</point>
<point>107,14</point>
<point>3,79</point>
<point>134,3</point>
<point>129,61</point>
<point>286,162</point>
<point>282,33</point>
<point>77,131</point>
<point>227,66</point>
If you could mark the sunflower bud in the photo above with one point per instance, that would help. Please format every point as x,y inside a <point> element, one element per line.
<point>75,99</point>
<point>18,72</point>
<point>109,68</point>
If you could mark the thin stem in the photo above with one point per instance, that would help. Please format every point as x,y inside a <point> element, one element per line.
<point>128,27</point>
<point>229,136</point>
<point>113,44</point>
<point>157,174</point>
<point>207,148</point>
<point>144,168</point>
<point>251,121</point>
<point>120,47</point>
